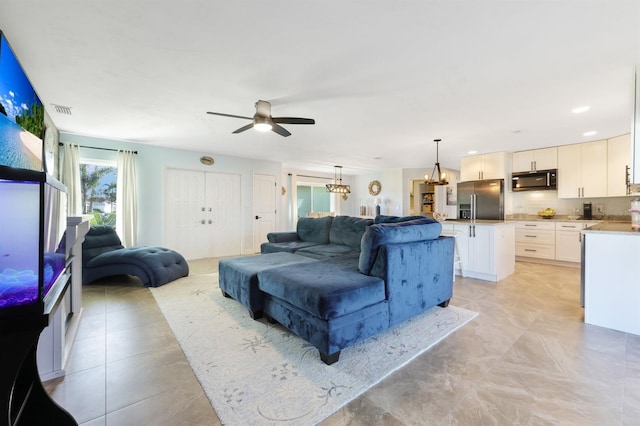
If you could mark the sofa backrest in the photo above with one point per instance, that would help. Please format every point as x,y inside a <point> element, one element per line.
<point>348,230</point>
<point>314,229</point>
<point>395,219</point>
<point>99,239</point>
<point>393,233</point>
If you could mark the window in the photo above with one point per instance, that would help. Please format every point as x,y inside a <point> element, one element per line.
<point>98,186</point>
<point>313,198</point>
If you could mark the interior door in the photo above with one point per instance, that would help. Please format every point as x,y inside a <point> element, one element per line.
<point>264,208</point>
<point>202,213</point>
<point>185,212</point>
<point>224,227</point>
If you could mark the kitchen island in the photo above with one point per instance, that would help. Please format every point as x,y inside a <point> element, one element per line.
<point>610,283</point>
<point>486,248</point>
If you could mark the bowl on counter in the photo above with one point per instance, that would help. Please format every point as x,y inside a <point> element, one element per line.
<point>573,217</point>
<point>440,216</point>
<point>547,213</point>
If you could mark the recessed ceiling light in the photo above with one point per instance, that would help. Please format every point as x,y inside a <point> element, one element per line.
<point>590,133</point>
<point>580,109</point>
<point>472,152</point>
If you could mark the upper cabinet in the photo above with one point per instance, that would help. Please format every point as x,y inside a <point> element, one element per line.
<point>537,159</point>
<point>618,159</point>
<point>487,166</point>
<point>582,170</point>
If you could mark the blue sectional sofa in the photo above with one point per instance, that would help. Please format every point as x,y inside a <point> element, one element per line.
<point>336,281</point>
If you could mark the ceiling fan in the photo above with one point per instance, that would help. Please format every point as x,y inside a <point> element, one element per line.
<point>263,121</point>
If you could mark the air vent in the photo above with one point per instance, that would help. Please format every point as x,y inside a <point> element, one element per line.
<point>60,109</point>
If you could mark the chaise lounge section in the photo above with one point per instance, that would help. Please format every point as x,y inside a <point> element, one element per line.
<point>401,267</point>
<point>103,255</point>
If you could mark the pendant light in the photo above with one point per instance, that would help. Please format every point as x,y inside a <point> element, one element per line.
<point>436,169</point>
<point>337,187</point>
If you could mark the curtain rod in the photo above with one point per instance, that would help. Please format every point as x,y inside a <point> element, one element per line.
<point>103,149</point>
<point>315,177</point>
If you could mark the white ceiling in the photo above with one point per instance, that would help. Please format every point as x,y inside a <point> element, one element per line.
<point>382,79</point>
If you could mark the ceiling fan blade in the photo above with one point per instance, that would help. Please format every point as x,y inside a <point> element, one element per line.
<point>280,130</point>
<point>230,115</point>
<point>293,120</point>
<point>243,128</point>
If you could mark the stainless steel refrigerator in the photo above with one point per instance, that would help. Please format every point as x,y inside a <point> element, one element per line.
<point>481,199</point>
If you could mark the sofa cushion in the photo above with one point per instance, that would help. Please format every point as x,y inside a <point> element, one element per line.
<point>315,230</point>
<point>324,289</point>
<point>289,246</point>
<point>395,219</point>
<point>329,251</point>
<point>348,230</point>
<point>282,237</point>
<point>238,276</point>
<point>393,233</point>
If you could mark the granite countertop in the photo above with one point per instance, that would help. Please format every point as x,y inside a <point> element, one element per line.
<point>479,221</point>
<point>556,218</point>
<point>612,228</point>
<point>565,218</point>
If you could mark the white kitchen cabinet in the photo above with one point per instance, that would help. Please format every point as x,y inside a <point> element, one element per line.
<point>568,241</point>
<point>618,159</point>
<point>611,290</point>
<point>536,239</point>
<point>537,159</point>
<point>582,170</point>
<point>486,249</point>
<point>486,166</point>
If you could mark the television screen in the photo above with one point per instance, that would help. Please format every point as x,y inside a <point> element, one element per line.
<point>21,114</point>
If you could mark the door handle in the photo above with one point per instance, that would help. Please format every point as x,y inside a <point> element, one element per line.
<point>258,217</point>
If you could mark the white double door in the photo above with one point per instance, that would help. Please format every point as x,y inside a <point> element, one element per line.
<point>203,213</point>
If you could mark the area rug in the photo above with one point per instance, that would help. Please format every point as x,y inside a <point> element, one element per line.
<point>256,373</point>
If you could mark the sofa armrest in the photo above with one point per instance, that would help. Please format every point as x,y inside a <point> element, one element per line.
<point>418,275</point>
<point>282,237</point>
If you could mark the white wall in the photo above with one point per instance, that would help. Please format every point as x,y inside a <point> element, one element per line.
<point>531,202</point>
<point>391,184</point>
<point>151,164</point>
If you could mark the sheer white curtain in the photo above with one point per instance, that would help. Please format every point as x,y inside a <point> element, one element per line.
<point>70,176</point>
<point>294,201</point>
<point>127,200</point>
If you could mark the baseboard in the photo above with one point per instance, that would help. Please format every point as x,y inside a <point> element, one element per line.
<point>548,261</point>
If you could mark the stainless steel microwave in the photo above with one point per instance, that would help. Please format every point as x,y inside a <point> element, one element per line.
<point>534,181</point>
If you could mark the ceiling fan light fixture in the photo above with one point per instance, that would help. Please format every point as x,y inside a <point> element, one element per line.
<point>337,187</point>
<point>262,124</point>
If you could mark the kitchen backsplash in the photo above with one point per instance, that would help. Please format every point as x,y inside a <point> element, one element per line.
<point>531,202</point>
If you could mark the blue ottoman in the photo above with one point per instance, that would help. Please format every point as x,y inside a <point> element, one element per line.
<point>238,277</point>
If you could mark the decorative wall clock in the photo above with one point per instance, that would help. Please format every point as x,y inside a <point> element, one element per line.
<point>374,187</point>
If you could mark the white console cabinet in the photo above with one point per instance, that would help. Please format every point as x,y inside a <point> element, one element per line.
<point>56,340</point>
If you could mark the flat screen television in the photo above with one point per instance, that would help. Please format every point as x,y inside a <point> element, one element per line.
<point>21,114</point>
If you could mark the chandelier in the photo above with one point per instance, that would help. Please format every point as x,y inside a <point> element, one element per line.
<point>337,187</point>
<point>436,169</point>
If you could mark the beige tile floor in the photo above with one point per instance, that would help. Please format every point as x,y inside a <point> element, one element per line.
<point>527,359</point>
